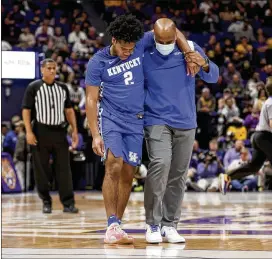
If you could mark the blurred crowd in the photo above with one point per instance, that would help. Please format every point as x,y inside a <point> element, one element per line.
<point>236,35</point>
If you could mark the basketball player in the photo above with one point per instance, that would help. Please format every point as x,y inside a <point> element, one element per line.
<point>261,143</point>
<point>116,74</point>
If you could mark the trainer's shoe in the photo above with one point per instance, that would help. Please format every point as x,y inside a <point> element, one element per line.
<point>115,235</point>
<point>153,234</point>
<point>224,183</point>
<point>171,235</point>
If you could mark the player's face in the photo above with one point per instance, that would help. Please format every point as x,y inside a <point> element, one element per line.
<point>123,49</point>
<point>49,71</point>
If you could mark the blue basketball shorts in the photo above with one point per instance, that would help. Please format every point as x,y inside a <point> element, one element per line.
<point>122,138</point>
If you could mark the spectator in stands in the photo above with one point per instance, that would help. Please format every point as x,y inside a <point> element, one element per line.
<point>213,148</point>
<point>66,74</point>
<point>26,39</point>
<point>43,37</point>
<point>19,157</point>
<point>228,48</point>
<point>236,86</point>
<point>233,153</point>
<point>226,15</point>
<point>205,6</point>
<point>59,39</point>
<point>243,47</point>
<point>262,97</point>
<point>211,21</point>
<point>10,139</point>
<point>92,34</point>
<point>14,17</point>
<point>230,111</point>
<point>252,120</point>
<point>247,183</point>
<point>206,102</point>
<point>230,71</point>
<point>81,48</point>
<point>177,19</point>
<point>158,14</point>
<point>208,172</point>
<point>76,35</point>
<point>252,85</point>
<point>45,28</point>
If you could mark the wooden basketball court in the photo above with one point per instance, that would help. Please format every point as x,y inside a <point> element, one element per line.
<point>238,225</point>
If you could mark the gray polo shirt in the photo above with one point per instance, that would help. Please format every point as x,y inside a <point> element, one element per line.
<point>266,115</point>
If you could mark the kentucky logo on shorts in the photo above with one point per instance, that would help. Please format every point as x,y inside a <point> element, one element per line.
<point>133,157</point>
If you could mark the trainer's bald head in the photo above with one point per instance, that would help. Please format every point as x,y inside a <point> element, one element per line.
<point>165,31</point>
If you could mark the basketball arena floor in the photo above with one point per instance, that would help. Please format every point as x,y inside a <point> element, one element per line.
<point>238,225</point>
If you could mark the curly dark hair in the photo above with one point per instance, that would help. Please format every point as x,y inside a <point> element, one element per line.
<point>127,28</point>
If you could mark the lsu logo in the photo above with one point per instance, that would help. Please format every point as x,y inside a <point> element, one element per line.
<point>133,157</point>
<point>8,174</point>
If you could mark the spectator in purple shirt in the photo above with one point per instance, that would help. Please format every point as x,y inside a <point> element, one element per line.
<point>252,120</point>
<point>233,153</point>
<point>208,172</point>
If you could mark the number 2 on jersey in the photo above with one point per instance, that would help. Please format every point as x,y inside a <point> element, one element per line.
<point>128,78</point>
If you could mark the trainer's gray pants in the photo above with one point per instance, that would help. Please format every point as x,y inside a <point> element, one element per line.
<point>169,151</point>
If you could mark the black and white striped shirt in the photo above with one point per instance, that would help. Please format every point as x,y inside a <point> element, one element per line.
<point>47,102</point>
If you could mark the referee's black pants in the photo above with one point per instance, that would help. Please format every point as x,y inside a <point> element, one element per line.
<point>262,150</point>
<point>52,141</point>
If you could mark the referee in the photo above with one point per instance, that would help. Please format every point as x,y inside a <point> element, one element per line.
<point>261,143</point>
<point>46,106</point>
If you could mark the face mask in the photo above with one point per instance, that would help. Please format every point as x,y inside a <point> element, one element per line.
<point>165,49</point>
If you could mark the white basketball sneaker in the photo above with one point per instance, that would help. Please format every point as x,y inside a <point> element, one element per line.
<point>171,235</point>
<point>153,234</point>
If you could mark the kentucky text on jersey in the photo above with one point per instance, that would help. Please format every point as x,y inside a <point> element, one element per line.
<point>124,67</point>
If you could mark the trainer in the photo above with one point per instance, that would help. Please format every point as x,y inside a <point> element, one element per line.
<point>170,123</point>
<point>46,106</point>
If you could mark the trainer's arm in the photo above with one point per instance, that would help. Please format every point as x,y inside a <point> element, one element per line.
<point>92,94</point>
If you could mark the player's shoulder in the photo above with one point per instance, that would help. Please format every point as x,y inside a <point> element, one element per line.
<point>102,54</point>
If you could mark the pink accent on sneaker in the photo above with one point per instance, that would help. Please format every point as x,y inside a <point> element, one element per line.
<point>115,235</point>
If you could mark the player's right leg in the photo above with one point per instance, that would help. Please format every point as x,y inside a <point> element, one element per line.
<point>113,167</point>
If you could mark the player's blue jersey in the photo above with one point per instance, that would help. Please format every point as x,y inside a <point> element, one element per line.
<point>121,81</point>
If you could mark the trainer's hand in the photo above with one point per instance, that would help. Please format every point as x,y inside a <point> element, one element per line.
<point>98,145</point>
<point>195,57</point>
<point>31,139</point>
<point>192,69</point>
<point>74,140</point>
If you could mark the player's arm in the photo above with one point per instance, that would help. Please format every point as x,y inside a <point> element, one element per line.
<point>92,93</point>
<point>93,82</point>
<point>209,71</point>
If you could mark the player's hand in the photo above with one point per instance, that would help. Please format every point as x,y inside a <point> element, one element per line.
<point>31,139</point>
<point>192,69</point>
<point>98,145</point>
<point>195,57</point>
<point>74,140</point>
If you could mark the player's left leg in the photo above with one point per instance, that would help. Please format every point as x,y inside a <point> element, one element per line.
<point>182,146</point>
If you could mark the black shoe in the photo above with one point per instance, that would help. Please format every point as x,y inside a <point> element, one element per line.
<point>47,208</point>
<point>70,209</point>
